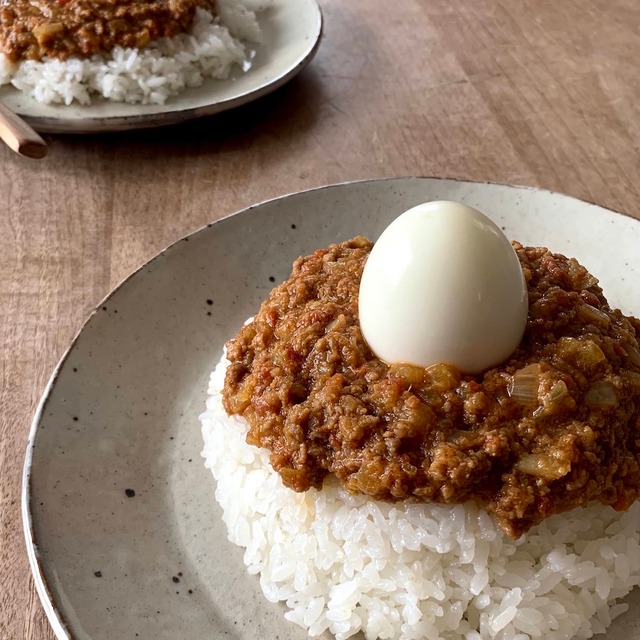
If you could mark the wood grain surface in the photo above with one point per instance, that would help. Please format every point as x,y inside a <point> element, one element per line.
<point>533,92</point>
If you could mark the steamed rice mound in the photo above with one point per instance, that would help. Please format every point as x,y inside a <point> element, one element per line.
<point>212,48</point>
<point>347,563</point>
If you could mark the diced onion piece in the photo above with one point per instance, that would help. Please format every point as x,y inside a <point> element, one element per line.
<point>593,314</point>
<point>409,372</point>
<point>443,377</point>
<point>546,466</point>
<point>580,277</point>
<point>585,354</point>
<point>143,39</point>
<point>47,30</point>
<point>240,400</point>
<point>556,395</point>
<point>523,386</point>
<point>601,395</point>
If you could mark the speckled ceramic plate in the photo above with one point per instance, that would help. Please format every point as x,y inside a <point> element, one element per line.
<point>124,537</point>
<point>291,30</point>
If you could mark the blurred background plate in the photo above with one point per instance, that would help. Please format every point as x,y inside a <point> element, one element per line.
<point>124,537</point>
<point>291,30</point>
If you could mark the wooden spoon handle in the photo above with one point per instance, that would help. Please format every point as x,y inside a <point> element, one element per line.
<point>19,136</point>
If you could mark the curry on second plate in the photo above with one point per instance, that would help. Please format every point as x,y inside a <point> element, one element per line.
<point>63,28</point>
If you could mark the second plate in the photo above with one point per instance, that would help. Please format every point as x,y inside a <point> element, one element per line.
<point>291,30</point>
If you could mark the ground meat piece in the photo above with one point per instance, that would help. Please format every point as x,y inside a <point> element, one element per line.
<point>33,29</point>
<point>554,427</point>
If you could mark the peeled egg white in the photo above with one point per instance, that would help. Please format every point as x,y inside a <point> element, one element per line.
<point>443,285</point>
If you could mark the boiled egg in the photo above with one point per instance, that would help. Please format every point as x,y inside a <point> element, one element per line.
<point>443,285</point>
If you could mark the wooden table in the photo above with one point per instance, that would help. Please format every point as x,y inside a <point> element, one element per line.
<point>530,92</point>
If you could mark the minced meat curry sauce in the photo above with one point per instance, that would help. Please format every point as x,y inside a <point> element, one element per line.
<point>554,427</point>
<point>33,29</point>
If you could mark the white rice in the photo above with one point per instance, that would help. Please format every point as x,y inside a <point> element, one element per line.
<point>348,563</point>
<point>212,48</point>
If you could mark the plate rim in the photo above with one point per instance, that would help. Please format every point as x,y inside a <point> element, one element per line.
<point>52,608</point>
<point>110,124</point>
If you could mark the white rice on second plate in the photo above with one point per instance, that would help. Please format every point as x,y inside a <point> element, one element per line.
<point>348,563</point>
<point>211,49</point>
